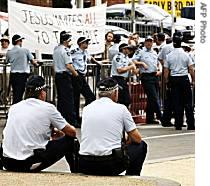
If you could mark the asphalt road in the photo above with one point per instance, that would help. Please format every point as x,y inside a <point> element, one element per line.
<point>163,144</point>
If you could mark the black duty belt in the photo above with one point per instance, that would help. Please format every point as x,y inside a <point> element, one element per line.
<point>121,77</point>
<point>95,158</point>
<point>149,74</point>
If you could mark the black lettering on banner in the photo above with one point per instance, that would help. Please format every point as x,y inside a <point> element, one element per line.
<point>56,36</point>
<point>25,16</point>
<point>169,5</point>
<point>189,3</point>
<point>38,37</point>
<point>162,4</point>
<point>178,5</point>
<point>45,37</point>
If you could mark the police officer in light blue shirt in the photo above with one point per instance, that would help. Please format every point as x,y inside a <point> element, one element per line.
<point>121,67</point>
<point>178,63</point>
<point>114,49</point>
<point>149,79</point>
<point>80,58</point>
<point>20,59</point>
<point>64,71</point>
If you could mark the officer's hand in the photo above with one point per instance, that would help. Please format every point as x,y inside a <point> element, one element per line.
<point>158,73</point>
<point>56,134</point>
<point>145,66</point>
<point>193,84</point>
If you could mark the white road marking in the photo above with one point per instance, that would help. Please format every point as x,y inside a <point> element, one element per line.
<point>169,135</point>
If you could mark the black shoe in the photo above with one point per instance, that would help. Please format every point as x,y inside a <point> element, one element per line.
<point>167,124</point>
<point>190,128</point>
<point>178,128</point>
<point>153,122</point>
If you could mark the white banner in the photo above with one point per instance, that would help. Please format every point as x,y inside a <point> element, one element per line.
<point>41,26</point>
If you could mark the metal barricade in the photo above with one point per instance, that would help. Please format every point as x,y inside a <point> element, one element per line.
<point>142,26</point>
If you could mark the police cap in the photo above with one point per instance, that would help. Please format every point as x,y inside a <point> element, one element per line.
<point>82,40</point>
<point>36,83</point>
<point>107,84</point>
<point>177,37</point>
<point>16,38</point>
<point>65,36</point>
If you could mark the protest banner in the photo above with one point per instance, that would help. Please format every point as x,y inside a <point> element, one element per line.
<point>41,26</point>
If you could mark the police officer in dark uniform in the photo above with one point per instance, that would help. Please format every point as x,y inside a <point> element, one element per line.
<point>20,59</point>
<point>178,63</point>
<point>150,79</point>
<point>80,58</point>
<point>121,66</point>
<point>64,71</point>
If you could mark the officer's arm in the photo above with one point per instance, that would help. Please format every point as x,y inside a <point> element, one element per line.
<point>166,74</point>
<point>69,130</point>
<point>72,70</point>
<point>192,73</point>
<point>34,62</point>
<point>134,136</point>
<point>93,60</point>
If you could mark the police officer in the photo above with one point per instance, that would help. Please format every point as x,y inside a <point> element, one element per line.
<point>167,107</point>
<point>20,59</point>
<point>114,49</point>
<point>64,71</point>
<point>179,63</point>
<point>121,66</point>
<point>80,58</point>
<point>149,79</point>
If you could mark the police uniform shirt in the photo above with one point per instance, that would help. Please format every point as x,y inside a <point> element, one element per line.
<point>19,58</point>
<point>165,51</point>
<point>80,58</point>
<point>34,118</point>
<point>101,129</point>
<point>120,60</point>
<point>178,62</point>
<point>61,57</point>
<point>113,50</point>
<point>150,58</point>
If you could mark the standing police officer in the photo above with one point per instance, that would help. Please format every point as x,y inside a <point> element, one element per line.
<point>64,71</point>
<point>121,66</point>
<point>179,63</point>
<point>149,79</point>
<point>80,57</point>
<point>20,59</point>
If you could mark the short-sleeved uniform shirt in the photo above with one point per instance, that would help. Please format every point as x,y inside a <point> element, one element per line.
<point>165,51</point>
<point>149,57</point>
<point>61,57</point>
<point>19,58</point>
<point>80,59</point>
<point>120,60</point>
<point>29,127</point>
<point>102,124</point>
<point>113,50</point>
<point>178,62</point>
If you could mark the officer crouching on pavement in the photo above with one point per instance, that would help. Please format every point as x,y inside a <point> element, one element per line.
<point>104,149</point>
<point>121,67</point>
<point>178,63</point>
<point>80,58</point>
<point>64,71</point>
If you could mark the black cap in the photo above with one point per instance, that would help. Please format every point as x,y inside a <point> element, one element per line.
<point>117,38</point>
<point>124,45</point>
<point>107,84</point>
<point>161,36</point>
<point>82,40</point>
<point>177,37</point>
<point>36,83</point>
<point>64,36</point>
<point>16,38</point>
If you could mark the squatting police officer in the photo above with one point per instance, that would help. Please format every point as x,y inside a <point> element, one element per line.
<point>64,71</point>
